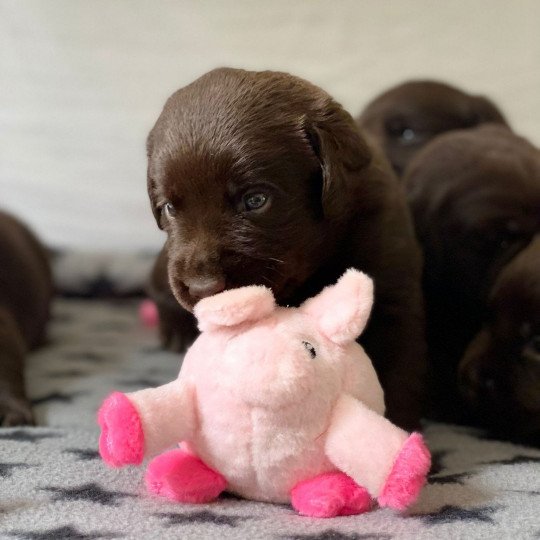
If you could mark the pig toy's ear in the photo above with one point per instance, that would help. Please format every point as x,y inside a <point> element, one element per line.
<point>342,310</point>
<point>234,306</point>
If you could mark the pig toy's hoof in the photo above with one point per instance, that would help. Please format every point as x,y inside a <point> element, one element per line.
<point>329,495</point>
<point>183,477</point>
<point>122,439</point>
<point>408,474</point>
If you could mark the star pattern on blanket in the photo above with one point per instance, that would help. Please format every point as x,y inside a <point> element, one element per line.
<point>526,491</point>
<point>437,461</point>
<point>456,478</point>
<point>88,356</point>
<point>7,468</point>
<point>88,492</point>
<point>62,373</point>
<point>142,382</point>
<point>21,435</point>
<point>449,514</point>
<point>333,534</point>
<point>61,533</point>
<point>60,397</point>
<point>84,454</point>
<point>204,516</point>
<point>514,460</point>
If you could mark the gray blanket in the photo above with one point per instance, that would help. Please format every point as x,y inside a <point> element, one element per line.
<point>54,486</point>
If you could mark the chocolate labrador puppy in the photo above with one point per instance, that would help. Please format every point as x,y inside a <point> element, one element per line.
<point>475,197</point>
<point>404,118</point>
<point>262,178</point>
<point>25,295</point>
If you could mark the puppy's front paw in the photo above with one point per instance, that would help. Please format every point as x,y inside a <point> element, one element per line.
<point>15,411</point>
<point>122,439</point>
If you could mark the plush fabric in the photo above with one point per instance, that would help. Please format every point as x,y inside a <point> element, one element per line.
<point>264,401</point>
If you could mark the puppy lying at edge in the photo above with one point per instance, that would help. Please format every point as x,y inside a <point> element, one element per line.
<point>25,295</point>
<point>262,178</point>
<point>499,374</point>
<point>406,117</point>
<point>475,197</point>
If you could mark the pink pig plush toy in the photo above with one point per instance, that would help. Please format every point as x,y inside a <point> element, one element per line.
<point>273,404</point>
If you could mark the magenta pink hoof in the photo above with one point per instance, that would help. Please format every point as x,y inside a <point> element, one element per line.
<point>183,477</point>
<point>148,314</point>
<point>329,495</point>
<point>408,474</point>
<point>122,439</point>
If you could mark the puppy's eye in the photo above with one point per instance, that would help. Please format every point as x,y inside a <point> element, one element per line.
<point>407,135</point>
<point>255,201</point>
<point>402,132</point>
<point>168,210</point>
<point>506,236</point>
<point>310,349</point>
<point>534,346</point>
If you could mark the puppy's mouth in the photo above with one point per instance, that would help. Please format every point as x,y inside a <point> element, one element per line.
<point>282,290</point>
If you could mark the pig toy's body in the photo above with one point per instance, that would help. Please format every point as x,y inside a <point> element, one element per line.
<point>273,404</point>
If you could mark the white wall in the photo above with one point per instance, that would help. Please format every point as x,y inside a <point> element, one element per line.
<point>81,83</point>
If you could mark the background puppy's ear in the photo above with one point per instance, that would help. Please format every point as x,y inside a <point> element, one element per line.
<point>150,183</point>
<point>484,110</point>
<point>341,151</point>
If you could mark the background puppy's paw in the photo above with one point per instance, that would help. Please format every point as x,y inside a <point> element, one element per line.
<point>177,338</point>
<point>177,328</point>
<point>15,411</point>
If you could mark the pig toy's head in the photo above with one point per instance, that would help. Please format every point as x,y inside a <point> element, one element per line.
<point>272,357</point>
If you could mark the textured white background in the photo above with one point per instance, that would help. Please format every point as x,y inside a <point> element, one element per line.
<point>81,83</point>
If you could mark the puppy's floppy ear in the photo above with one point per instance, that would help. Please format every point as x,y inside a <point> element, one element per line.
<point>150,182</point>
<point>341,150</point>
<point>234,306</point>
<point>342,310</point>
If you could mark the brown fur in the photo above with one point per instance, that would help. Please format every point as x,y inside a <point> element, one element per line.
<point>332,204</point>
<point>475,197</point>
<point>25,294</point>
<point>406,117</point>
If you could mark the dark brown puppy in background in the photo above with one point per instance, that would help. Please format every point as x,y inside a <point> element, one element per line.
<point>262,178</point>
<point>25,295</point>
<point>406,117</point>
<point>475,197</point>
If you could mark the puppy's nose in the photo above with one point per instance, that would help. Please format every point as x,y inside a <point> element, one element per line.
<point>200,288</point>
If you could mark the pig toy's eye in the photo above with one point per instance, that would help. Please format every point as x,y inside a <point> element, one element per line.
<point>310,348</point>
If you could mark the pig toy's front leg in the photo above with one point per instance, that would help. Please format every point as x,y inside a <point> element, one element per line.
<point>145,422</point>
<point>391,464</point>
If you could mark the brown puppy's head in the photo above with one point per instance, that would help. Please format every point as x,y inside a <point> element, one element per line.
<point>500,371</point>
<point>475,197</point>
<point>403,119</point>
<point>249,174</point>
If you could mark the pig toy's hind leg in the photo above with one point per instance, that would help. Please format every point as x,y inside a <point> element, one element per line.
<point>183,477</point>
<point>329,495</point>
